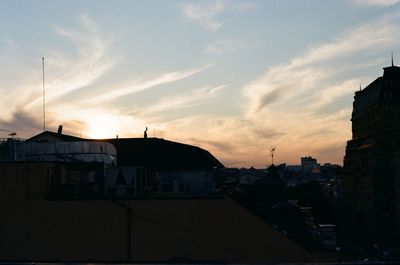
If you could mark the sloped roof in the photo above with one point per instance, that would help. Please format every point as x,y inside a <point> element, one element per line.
<point>48,136</point>
<point>162,154</point>
<point>147,152</point>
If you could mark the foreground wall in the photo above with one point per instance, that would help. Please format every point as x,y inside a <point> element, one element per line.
<point>32,228</point>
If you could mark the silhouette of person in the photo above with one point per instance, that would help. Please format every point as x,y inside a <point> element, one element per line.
<point>145,133</point>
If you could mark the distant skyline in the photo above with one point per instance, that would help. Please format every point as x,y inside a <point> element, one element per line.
<point>233,77</point>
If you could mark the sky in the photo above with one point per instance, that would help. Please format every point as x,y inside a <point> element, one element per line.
<point>233,77</point>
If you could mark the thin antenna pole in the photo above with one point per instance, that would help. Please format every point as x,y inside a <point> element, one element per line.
<point>44,101</point>
<point>272,152</point>
<point>392,59</point>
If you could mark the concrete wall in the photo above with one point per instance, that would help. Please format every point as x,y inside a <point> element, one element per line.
<point>32,228</point>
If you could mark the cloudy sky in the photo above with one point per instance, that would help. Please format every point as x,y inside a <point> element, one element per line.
<point>234,77</point>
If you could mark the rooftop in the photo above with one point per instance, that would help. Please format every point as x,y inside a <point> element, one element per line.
<point>162,154</point>
<point>147,152</point>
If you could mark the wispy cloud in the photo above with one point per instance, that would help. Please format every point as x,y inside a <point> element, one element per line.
<point>93,60</point>
<point>382,3</point>
<point>205,13</point>
<point>319,66</point>
<point>183,101</point>
<point>69,72</point>
<point>140,85</point>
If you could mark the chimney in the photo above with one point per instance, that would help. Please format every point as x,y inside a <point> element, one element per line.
<point>59,131</point>
<point>145,134</point>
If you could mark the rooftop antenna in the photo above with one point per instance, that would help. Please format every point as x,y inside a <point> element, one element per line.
<point>392,59</point>
<point>44,101</point>
<point>12,134</point>
<point>360,86</point>
<point>272,153</point>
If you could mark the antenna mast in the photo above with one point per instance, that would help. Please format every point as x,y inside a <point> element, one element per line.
<point>44,101</point>
<point>272,152</point>
<point>392,59</point>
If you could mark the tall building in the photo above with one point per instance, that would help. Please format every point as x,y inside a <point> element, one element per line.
<point>372,159</point>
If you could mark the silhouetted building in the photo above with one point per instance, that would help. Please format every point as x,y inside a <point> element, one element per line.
<point>309,164</point>
<point>130,200</point>
<point>372,160</point>
<point>135,166</point>
<point>211,230</point>
<point>180,168</point>
<point>264,190</point>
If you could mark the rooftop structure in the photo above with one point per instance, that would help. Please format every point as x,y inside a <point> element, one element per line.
<point>139,166</point>
<point>147,152</point>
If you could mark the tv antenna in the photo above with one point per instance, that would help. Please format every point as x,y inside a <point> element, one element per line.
<point>44,101</point>
<point>392,59</point>
<point>272,153</point>
<point>12,134</point>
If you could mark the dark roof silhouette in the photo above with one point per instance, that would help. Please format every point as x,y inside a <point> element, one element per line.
<point>162,154</point>
<point>48,136</point>
<point>147,152</point>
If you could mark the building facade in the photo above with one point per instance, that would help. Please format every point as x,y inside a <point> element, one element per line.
<point>372,160</point>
